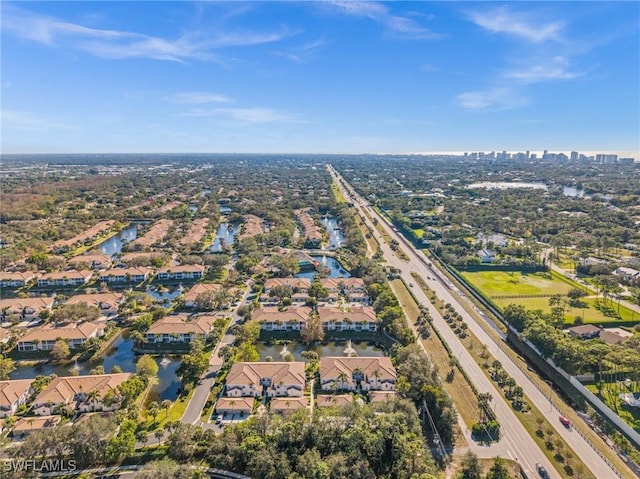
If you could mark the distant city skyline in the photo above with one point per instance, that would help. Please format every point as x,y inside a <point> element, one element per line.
<point>320,77</point>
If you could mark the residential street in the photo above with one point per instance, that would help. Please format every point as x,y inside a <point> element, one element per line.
<point>520,445</point>
<point>201,393</point>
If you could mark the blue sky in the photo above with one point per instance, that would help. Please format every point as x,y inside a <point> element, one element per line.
<point>320,76</point>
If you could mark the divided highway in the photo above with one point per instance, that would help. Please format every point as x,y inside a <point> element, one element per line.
<point>521,446</point>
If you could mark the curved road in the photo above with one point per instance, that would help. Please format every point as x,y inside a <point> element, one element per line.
<point>521,445</point>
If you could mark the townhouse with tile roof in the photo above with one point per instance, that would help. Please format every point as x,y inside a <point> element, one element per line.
<point>43,338</point>
<point>180,329</point>
<point>272,379</point>
<point>25,309</point>
<point>13,394</point>
<point>357,373</point>
<point>80,393</point>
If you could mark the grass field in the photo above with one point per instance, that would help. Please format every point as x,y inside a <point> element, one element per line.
<point>503,287</point>
<point>513,283</point>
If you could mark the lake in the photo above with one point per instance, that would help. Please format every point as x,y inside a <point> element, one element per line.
<point>120,354</point>
<point>336,238</point>
<point>335,268</point>
<point>504,185</point>
<point>165,295</point>
<point>331,348</point>
<point>572,192</point>
<point>114,244</point>
<point>225,236</point>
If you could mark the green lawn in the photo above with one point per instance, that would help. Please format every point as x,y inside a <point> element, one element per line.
<point>513,283</point>
<point>590,314</point>
<point>418,232</point>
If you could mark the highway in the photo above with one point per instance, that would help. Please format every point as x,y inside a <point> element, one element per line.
<point>521,446</point>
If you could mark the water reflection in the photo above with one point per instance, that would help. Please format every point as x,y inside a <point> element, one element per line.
<point>120,354</point>
<point>114,244</point>
<point>225,236</point>
<point>336,238</point>
<point>332,265</point>
<point>331,348</point>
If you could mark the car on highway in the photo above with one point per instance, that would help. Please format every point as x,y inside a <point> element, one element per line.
<point>411,285</point>
<point>542,471</point>
<point>565,422</point>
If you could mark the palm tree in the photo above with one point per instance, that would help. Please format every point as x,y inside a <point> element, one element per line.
<point>342,377</point>
<point>93,397</point>
<point>166,404</point>
<point>159,434</point>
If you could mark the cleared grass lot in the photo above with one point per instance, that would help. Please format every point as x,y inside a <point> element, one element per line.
<point>515,283</point>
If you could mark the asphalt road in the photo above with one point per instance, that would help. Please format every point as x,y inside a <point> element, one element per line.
<point>521,446</point>
<point>199,398</point>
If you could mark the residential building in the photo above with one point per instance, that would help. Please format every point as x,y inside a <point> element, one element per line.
<point>285,406</point>
<point>486,256</point>
<point>351,374</point>
<point>270,318</point>
<point>125,275</point>
<point>89,235</point>
<point>80,393</point>
<point>28,425</point>
<point>362,318</point>
<point>4,335</point>
<point>25,309</point>
<point>334,400</point>
<point>65,278</point>
<point>382,396</point>
<point>627,274</point>
<point>13,394</point>
<point>198,289</point>
<point>93,261</point>
<point>190,272</point>
<point>15,279</point>
<point>584,331</point>
<point>107,303</point>
<point>43,338</point>
<point>180,329</point>
<point>300,285</point>
<point>235,405</point>
<point>272,379</point>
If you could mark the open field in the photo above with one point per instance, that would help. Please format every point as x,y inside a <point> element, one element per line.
<point>590,314</point>
<point>515,283</point>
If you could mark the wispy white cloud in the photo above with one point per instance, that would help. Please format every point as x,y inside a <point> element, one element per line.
<point>29,121</point>
<point>396,24</point>
<point>197,98</point>
<point>115,44</point>
<point>499,98</point>
<point>302,53</point>
<point>522,25</point>
<point>556,69</point>
<point>246,115</point>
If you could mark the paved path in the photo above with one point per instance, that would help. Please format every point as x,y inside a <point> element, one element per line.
<point>199,398</point>
<point>520,445</point>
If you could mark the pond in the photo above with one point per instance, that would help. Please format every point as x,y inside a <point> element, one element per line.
<point>120,354</point>
<point>336,238</point>
<point>225,236</point>
<point>572,192</point>
<point>335,268</point>
<point>503,185</point>
<point>165,295</point>
<point>331,348</point>
<point>114,244</point>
